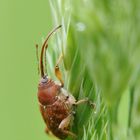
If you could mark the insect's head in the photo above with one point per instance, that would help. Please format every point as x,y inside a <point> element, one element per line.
<point>47,91</point>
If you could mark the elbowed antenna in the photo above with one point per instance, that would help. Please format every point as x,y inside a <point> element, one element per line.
<point>45,45</point>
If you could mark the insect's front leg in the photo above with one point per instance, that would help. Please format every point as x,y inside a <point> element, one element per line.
<point>65,124</point>
<point>86,100</point>
<point>42,110</point>
<point>47,131</point>
<point>57,70</point>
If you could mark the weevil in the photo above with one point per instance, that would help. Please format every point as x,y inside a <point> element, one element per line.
<point>56,104</point>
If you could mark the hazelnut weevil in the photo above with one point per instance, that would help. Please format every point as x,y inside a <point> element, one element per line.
<point>56,103</point>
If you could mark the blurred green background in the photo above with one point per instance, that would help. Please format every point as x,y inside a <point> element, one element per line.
<point>22,25</point>
<point>108,31</point>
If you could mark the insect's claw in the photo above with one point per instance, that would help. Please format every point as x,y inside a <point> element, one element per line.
<point>93,105</point>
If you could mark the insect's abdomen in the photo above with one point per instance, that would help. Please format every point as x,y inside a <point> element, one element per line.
<point>54,115</point>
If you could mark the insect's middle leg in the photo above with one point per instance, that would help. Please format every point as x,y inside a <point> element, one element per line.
<point>57,70</point>
<point>86,100</point>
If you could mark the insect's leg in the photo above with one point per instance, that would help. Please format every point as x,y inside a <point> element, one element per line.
<point>47,131</point>
<point>42,110</point>
<point>37,58</point>
<point>86,100</point>
<point>58,72</point>
<point>70,134</point>
<point>65,124</point>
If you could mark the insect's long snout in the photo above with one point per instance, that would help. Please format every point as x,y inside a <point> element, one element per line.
<point>44,47</point>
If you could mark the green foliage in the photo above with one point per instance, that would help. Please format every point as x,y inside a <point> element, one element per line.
<point>100,44</point>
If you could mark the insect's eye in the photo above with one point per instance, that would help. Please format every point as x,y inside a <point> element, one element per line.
<point>44,79</point>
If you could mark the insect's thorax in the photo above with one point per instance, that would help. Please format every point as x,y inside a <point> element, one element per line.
<point>47,92</point>
<point>66,97</point>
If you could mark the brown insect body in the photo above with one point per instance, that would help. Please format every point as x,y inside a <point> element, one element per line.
<point>56,103</point>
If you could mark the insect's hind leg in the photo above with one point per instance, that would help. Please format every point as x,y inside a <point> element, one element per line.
<point>57,70</point>
<point>65,124</point>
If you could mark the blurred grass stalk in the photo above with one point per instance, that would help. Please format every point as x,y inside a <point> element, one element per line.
<point>100,41</point>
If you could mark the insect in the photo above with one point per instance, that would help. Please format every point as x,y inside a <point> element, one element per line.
<point>56,104</point>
